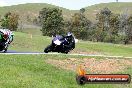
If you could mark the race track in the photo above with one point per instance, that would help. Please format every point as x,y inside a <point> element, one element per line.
<point>11,52</point>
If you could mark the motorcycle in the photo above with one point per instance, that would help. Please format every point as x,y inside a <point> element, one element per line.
<point>7,39</point>
<point>61,44</point>
<point>4,47</point>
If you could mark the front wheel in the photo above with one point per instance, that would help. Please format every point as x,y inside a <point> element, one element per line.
<point>48,49</point>
<point>66,52</point>
<point>5,51</point>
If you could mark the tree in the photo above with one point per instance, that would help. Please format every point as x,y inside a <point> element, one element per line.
<point>129,30</point>
<point>114,28</point>
<point>125,27</point>
<point>10,21</point>
<point>52,21</point>
<point>13,21</point>
<point>35,21</point>
<point>103,24</point>
<point>28,18</point>
<point>5,20</point>
<point>0,17</point>
<point>82,10</point>
<point>80,26</point>
<point>107,26</point>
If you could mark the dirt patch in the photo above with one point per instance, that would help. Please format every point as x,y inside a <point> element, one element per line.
<point>92,65</point>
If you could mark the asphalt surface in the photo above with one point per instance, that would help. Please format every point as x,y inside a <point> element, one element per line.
<point>11,52</point>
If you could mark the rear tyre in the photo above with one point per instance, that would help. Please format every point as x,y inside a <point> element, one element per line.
<point>48,49</point>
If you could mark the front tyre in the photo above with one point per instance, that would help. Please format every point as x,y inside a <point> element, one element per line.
<point>5,51</point>
<point>66,52</point>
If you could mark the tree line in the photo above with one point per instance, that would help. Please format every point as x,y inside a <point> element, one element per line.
<point>10,21</point>
<point>109,27</point>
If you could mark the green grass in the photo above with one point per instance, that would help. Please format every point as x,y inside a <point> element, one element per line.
<point>24,42</point>
<point>33,31</point>
<point>106,48</point>
<point>31,71</point>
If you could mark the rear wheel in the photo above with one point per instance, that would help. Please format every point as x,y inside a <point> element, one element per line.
<point>48,49</point>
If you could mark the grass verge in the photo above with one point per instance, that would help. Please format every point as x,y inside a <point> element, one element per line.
<point>31,71</point>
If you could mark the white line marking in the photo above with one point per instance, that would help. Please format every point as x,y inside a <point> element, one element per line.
<point>65,54</point>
